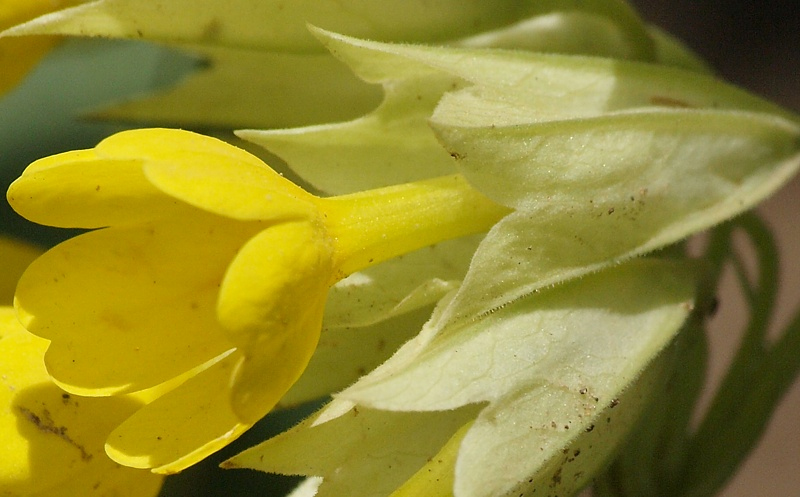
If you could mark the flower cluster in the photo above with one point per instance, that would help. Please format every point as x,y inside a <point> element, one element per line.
<point>471,277</point>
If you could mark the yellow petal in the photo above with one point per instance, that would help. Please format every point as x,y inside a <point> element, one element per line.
<point>153,144</point>
<point>106,185</point>
<point>229,188</point>
<point>53,443</point>
<point>127,308</point>
<point>271,304</point>
<point>80,190</point>
<point>183,426</point>
<point>208,173</point>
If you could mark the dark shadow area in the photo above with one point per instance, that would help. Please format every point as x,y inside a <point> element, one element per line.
<point>752,44</point>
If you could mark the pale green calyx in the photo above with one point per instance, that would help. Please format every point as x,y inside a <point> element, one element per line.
<point>556,370</point>
<point>602,160</point>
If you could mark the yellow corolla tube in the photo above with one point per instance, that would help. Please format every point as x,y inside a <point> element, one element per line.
<point>19,55</point>
<point>211,268</point>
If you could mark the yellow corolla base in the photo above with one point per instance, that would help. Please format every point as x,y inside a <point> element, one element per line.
<point>53,442</point>
<point>19,55</point>
<point>210,276</point>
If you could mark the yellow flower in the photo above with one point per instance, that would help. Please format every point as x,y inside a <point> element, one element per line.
<point>53,442</point>
<point>19,55</point>
<point>213,269</point>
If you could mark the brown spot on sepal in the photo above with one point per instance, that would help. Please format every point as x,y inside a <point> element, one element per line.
<point>664,101</point>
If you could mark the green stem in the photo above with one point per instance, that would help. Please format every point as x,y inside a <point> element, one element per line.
<point>742,404</point>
